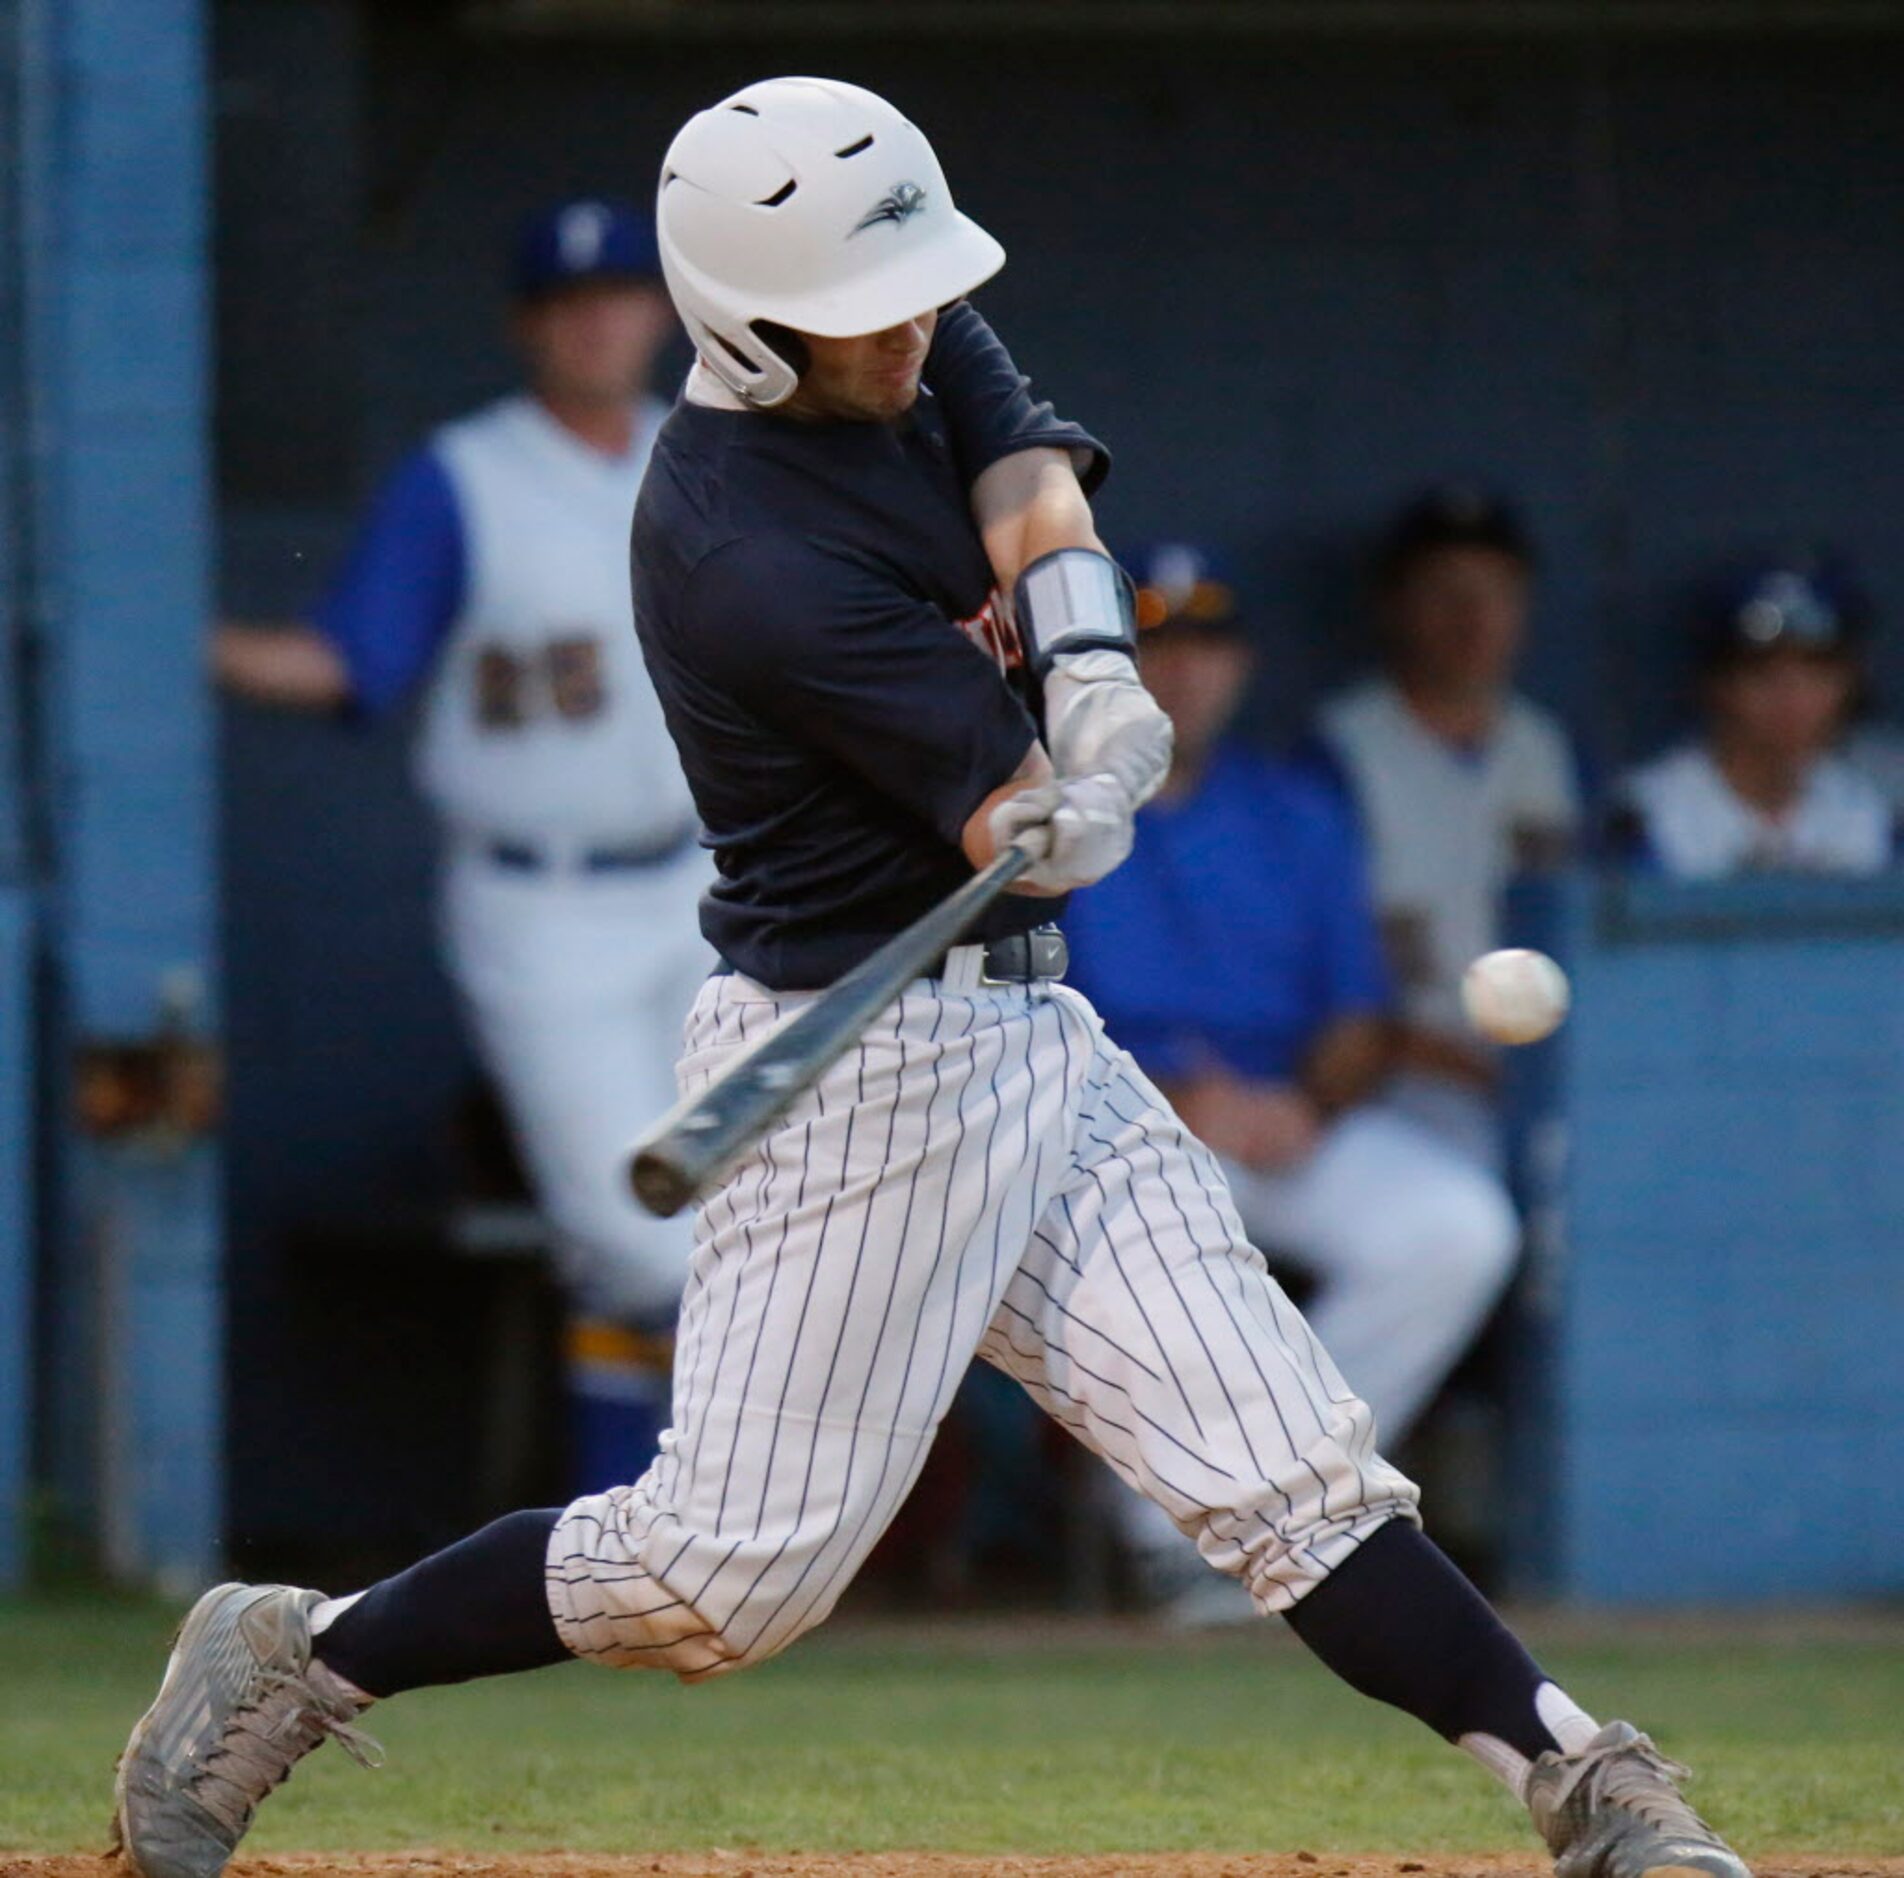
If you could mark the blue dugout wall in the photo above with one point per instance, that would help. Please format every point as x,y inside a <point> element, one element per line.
<point>18,901</point>
<point>1711,1395</point>
<point>16,1264</point>
<point>109,787</point>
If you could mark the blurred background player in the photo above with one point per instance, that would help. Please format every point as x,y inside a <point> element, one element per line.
<point>1236,956</point>
<point>1459,781</point>
<point>1762,786</point>
<point>492,572</point>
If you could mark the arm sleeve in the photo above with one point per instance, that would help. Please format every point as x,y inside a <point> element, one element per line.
<point>392,602</point>
<point>1353,973</point>
<point>839,657</point>
<point>988,403</point>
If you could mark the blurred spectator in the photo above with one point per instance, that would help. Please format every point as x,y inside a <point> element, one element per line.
<point>1760,788</point>
<point>1876,750</point>
<point>1459,781</point>
<point>1235,955</point>
<point>492,572</point>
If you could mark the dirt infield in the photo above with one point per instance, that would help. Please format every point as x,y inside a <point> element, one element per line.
<point>742,1864</point>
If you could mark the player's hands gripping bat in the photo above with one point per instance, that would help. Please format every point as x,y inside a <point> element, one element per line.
<point>1076,828</point>
<point>705,1133</point>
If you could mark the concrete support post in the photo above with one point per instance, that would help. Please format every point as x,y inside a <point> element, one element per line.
<point>118,254</point>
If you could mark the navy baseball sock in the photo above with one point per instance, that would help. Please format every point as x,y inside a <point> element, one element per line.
<point>477,1608</point>
<point>1398,1622</point>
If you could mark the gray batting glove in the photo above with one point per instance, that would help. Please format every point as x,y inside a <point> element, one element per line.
<point>1099,719</point>
<point>1078,829</point>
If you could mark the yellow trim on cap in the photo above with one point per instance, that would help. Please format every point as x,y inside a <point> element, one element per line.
<point>1208,602</point>
<point>591,1340</point>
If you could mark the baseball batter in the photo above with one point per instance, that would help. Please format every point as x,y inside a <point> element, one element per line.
<point>835,514</point>
<point>492,574</point>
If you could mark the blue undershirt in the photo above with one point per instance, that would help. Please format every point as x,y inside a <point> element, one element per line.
<point>392,602</point>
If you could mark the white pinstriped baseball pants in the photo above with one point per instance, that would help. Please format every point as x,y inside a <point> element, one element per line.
<point>986,1173</point>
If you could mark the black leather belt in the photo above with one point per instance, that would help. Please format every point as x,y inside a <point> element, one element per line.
<point>1023,958</point>
<point>1020,959</point>
<point>523,857</point>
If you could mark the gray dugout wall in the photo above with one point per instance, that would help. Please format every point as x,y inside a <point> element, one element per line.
<point>1652,288</point>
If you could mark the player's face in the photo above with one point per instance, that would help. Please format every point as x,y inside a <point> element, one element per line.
<point>1785,705</point>
<point>594,343</point>
<point>867,379</point>
<point>1458,617</point>
<point>1198,679</point>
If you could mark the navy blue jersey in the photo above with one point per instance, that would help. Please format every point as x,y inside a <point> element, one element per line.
<point>816,609</point>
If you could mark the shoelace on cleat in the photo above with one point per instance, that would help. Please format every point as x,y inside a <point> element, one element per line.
<point>266,1737</point>
<point>1635,1776</point>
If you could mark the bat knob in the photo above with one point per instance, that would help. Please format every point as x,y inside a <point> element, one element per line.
<point>659,1184</point>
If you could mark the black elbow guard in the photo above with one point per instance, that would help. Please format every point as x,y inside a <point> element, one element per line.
<point>1073,600</point>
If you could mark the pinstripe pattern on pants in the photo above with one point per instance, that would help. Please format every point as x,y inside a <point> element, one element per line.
<point>985,1174</point>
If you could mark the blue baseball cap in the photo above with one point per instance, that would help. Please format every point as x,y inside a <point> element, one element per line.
<point>1183,587</point>
<point>1803,603</point>
<point>588,238</point>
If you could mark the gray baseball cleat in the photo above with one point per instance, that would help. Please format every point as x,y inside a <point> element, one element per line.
<point>241,1703</point>
<point>1614,1810</point>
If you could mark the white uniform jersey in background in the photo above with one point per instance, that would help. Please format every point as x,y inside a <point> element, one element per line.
<point>1446,827</point>
<point>1699,828</point>
<point>1877,751</point>
<point>541,725</point>
<point>542,736</point>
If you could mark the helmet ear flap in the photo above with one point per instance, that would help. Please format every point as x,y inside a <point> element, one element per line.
<point>760,372</point>
<point>788,343</point>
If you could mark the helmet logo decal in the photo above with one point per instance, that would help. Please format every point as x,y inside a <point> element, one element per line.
<point>900,203</point>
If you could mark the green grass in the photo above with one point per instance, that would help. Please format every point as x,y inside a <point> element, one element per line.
<point>1019,1741</point>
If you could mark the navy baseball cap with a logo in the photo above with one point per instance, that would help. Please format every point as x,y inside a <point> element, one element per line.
<point>1184,588</point>
<point>587,239</point>
<point>1804,603</point>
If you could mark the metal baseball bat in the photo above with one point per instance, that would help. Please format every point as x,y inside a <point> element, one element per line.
<point>698,1139</point>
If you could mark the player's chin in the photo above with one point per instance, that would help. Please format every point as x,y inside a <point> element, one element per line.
<point>892,394</point>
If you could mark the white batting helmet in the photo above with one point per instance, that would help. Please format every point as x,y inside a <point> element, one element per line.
<point>813,205</point>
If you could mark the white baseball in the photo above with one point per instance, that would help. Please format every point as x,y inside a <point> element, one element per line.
<point>1515,996</point>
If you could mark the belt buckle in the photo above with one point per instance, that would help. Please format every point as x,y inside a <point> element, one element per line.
<point>1041,954</point>
<point>1050,953</point>
<point>996,948</point>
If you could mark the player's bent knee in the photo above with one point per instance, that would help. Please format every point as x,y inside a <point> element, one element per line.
<point>1461,1233</point>
<point>1484,1235</point>
<point>1282,1532</point>
<point>1278,1571</point>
